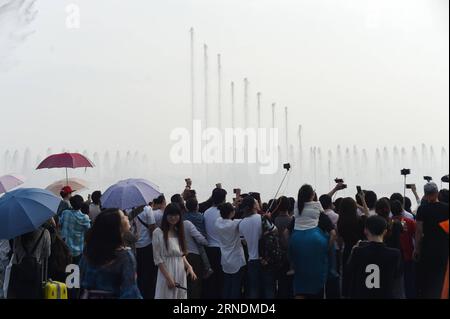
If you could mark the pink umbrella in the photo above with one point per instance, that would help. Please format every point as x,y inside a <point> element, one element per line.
<point>65,160</point>
<point>8,182</point>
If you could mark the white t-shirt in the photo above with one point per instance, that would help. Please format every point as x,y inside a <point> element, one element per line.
<point>233,257</point>
<point>193,238</point>
<point>333,216</point>
<point>211,215</point>
<point>251,229</point>
<point>158,217</point>
<point>143,233</point>
<point>94,211</point>
<point>309,217</point>
<point>372,212</point>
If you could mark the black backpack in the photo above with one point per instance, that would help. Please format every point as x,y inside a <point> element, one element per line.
<point>26,277</point>
<point>273,255</point>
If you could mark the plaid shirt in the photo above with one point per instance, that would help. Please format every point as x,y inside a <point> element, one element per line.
<point>73,226</point>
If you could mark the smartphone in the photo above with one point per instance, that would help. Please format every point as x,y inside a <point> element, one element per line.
<point>358,189</point>
<point>409,186</point>
<point>338,180</point>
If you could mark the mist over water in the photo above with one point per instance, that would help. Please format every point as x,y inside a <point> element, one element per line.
<point>115,89</point>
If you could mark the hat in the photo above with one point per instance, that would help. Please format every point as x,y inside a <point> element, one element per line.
<point>430,188</point>
<point>67,190</point>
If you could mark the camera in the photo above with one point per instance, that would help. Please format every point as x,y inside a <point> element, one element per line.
<point>428,178</point>
<point>287,166</point>
<point>236,190</point>
<point>340,181</point>
<point>444,179</point>
<point>405,171</point>
<point>409,186</point>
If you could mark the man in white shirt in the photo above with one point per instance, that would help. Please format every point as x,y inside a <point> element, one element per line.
<point>146,269</point>
<point>159,204</point>
<point>94,207</point>
<point>251,229</point>
<point>232,253</point>
<point>213,285</point>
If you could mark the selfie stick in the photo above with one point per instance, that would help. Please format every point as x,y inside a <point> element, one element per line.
<point>281,184</point>
<point>404,187</point>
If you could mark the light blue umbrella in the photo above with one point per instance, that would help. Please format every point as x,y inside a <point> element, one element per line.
<point>129,193</point>
<point>24,210</point>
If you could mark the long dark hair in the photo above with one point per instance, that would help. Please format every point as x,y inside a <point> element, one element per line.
<point>348,221</point>
<point>304,195</point>
<point>104,237</point>
<point>173,209</point>
<point>282,205</point>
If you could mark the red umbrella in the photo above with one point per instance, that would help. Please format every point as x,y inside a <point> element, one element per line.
<point>65,160</point>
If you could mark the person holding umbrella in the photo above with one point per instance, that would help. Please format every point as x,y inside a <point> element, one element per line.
<point>22,213</point>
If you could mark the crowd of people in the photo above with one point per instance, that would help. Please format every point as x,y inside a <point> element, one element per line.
<point>308,247</point>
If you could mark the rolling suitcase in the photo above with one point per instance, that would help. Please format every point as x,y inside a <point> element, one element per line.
<point>55,290</point>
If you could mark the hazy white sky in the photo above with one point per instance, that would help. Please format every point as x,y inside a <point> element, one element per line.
<point>364,72</point>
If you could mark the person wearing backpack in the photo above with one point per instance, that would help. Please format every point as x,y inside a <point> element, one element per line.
<point>30,252</point>
<point>260,280</point>
<point>145,224</point>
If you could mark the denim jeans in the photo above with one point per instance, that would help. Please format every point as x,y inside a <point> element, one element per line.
<point>261,282</point>
<point>232,285</point>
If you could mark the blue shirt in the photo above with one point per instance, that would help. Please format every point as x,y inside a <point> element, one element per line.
<point>74,224</point>
<point>117,277</point>
<point>197,219</point>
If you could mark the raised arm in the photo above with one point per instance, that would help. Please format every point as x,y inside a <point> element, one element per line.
<point>338,187</point>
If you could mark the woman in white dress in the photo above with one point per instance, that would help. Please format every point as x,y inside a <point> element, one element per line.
<point>169,254</point>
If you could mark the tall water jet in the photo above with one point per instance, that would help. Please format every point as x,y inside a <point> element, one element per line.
<point>444,160</point>
<point>347,162</point>
<point>300,149</point>
<point>425,161</point>
<point>396,163</point>
<point>26,161</point>
<point>219,91</point>
<point>386,166</point>
<point>286,130</point>
<point>191,31</point>
<point>273,115</point>
<point>233,120</point>
<point>205,78</point>
<point>378,165</point>
<point>403,158</point>
<point>356,168</point>
<point>329,161</point>
<point>106,162</point>
<point>258,108</point>
<point>415,158</point>
<point>339,161</point>
<point>6,160</point>
<point>432,161</point>
<point>15,162</point>
<point>246,113</point>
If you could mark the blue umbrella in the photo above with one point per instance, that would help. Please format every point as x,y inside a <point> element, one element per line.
<point>24,210</point>
<point>130,193</point>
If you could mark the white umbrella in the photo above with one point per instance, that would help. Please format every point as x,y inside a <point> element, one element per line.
<point>77,184</point>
